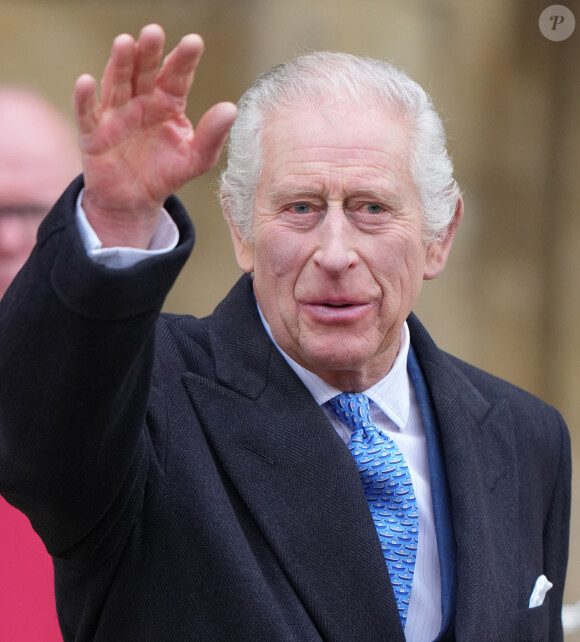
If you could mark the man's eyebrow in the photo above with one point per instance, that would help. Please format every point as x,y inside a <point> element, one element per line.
<point>291,193</point>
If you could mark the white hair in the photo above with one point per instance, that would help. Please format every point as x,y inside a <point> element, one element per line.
<point>323,78</point>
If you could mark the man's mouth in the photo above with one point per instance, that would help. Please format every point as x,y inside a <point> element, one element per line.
<point>336,311</point>
<point>338,305</point>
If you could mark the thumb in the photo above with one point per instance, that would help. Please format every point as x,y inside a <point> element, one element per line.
<point>210,136</point>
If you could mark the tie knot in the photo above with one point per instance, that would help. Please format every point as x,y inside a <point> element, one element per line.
<point>353,408</point>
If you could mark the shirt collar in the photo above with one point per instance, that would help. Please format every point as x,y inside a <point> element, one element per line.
<point>391,393</point>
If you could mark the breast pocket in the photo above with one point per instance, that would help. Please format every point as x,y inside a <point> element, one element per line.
<point>534,624</point>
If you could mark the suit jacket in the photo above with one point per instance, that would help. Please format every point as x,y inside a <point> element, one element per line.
<point>189,487</point>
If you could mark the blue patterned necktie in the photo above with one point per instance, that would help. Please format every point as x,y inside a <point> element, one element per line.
<point>389,491</point>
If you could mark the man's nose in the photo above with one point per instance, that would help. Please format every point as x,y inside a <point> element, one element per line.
<point>336,252</point>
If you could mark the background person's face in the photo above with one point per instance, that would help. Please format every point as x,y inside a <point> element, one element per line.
<point>38,158</point>
<point>18,226</point>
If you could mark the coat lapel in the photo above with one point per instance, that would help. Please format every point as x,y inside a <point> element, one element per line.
<point>479,456</point>
<point>295,476</point>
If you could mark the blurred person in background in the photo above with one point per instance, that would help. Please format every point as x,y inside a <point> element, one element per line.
<point>38,156</point>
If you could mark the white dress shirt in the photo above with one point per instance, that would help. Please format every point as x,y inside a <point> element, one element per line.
<point>394,410</point>
<point>164,239</point>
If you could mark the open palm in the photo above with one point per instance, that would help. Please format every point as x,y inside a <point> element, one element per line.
<point>138,145</point>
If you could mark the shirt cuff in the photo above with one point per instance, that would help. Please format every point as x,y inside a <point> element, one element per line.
<point>165,239</point>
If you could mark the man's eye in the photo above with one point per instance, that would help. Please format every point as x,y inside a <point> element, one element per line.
<point>373,208</point>
<point>301,208</point>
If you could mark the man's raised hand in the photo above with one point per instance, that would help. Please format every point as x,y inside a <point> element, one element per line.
<point>138,145</point>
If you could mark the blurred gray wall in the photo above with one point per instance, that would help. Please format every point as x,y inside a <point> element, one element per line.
<point>509,300</point>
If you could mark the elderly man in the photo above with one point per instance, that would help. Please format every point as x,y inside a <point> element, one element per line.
<point>304,464</point>
<point>38,155</point>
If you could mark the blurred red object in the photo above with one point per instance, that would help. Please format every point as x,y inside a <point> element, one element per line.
<point>27,605</point>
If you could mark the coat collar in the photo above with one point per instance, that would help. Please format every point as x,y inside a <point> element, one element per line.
<point>480,462</point>
<point>295,476</point>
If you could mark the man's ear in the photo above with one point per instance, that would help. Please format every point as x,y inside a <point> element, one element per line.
<point>438,250</point>
<point>243,249</point>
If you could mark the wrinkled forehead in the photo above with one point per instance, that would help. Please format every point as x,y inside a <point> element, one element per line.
<point>348,151</point>
<point>338,126</point>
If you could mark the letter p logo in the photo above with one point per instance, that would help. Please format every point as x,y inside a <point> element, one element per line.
<point>557,22</point>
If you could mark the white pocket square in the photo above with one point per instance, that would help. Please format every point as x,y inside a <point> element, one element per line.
<point>541,587</point>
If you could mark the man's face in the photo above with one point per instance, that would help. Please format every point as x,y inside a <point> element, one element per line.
<point>38,158</point>
<point>338,254</point>
<point>27,192</point>
<point>18,226</point>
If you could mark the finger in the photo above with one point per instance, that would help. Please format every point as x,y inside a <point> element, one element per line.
<point>147,58</point>
<point>210,136</point>
<point>86,104</point>
<point>178,69</point>
<point>117,83</point>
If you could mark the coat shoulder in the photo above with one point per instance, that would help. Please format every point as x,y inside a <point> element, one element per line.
<point>494,387</point>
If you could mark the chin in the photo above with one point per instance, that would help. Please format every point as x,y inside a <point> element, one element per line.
<point>333,360</point>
